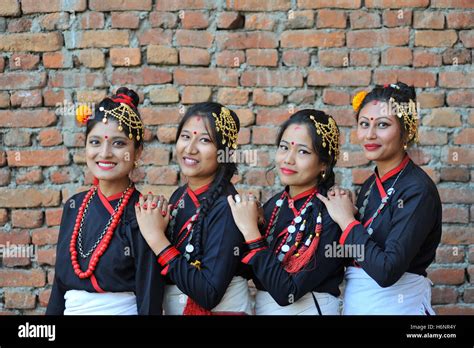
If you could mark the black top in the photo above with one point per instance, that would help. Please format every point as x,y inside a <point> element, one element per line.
<point>221,246</point>
<point>407,231</point>
<point>128,264</point>
<point>321,274</point>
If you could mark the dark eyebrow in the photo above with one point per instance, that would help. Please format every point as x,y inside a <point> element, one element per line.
<point>284,141</point>
<point>188,131</point>
<point>376,119</point>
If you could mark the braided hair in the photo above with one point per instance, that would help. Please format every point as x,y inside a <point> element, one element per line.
<point>400,92</point>
<point>225,170</point>
<point>108,103</point>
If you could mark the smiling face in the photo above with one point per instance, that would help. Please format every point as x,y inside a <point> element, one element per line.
<point>379,132</point>
<point>296,159</point>
<point>110,154</point>
<point>196,150</point>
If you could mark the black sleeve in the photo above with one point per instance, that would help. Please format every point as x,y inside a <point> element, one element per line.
<point>219,262</point>
<point>149,284</point>
<point>287,288</point>
<point>411,223</point>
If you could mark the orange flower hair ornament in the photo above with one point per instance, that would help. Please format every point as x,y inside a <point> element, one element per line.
<point>83,113</point>
<point>358,99</point>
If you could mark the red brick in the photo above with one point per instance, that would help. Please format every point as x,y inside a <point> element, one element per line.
<point>344,117</point>
<point>468,295</point>
<point>460,20</point>
<point>259,177</point>
<point>351,159</point>
<point>194,56</point>
<point>261,97</point>
<point>331,19</point>
<point>422,59</point>
<point>465,136</point>
<point>26,99</point>
<point>422,79</point>
<point>162,176</point>
<point>335,97</point>
<point>192,94</point>
<point>17,137</point>
<point>399,18</point>
<point>264,135</point>
<point>53,216</point>
<point>163,20</point>
<point>467,38</point>
<point>461,98</point>
<point>397,56</point>
<point>164,95</point>
<point>16,278</point>
<point>158,116</point>
<point>377,38</point>
<point>30,177</point>
<point>450,276</point>
<point>206,76</point>
<point>125,56</point>
<point>26,118</point>
<point>172,5</point>
<point>339,78</point>
<point>73,79</point>
<point>455,79</point>
<point>92,97</point>
<point>38,158</point>
<point>24,61</point>
<point>47,256</point>
<point>456,195</point>
<point>202,39</point>
<point>166,135</point>
<point>419,156</point>
<point>20,300</point>
<point>32,6</point>
<point>20,25</point>
<point>454,309</point>
<point>125,20</point>
<point>56,60</point>
<point>302,96</point>
<point>145,76</point>
<point>455,174</point>
<point>455,214</point>
<point>364,20</point>
<point>155,156</point>
<point>92,20</point>
<point>333,58</point>
<point>452,4</point>
<point>194,20</point>
<point>456,56</point>
<point>43,297</point>
<point>262,57</point>
<point>230,59</point>
<point>27,218</point>
<point>443,117</point>
<point>233,96</point>
<point>243,40</point>
<point>230,20</point>
<point>272,116</point>
<point>126,5</point>
<point>361,58</point>
<point>433,138</point>
<point>256,5</point>
<point>428,20</point>
<point>4,100</point>
<point>311,4</point>
<point>97,38</point>
<point>22,80</point>
<point>450,254</point>
<point>262,78</point>
<point>435,38</point>
<point>296,58</point>
<point>244,136</point>
<point>443,295</point>
<point>260,21</point>
<point>50,137</point>
<point>5,177</point>
<point>396,3</point>
<point>3,216</point>
<point>246,117</point>
<point>55,21</point>
<point>37,42</point>
<point>155,37</point>
<point>61,176</point>
<point>311,38</point>
<point>301,19</point>
<point>44,236</point>
<point>10,8</point>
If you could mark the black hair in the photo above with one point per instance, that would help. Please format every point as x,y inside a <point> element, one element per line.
<point>225,169</point>
<point>400,92</point>
<point>303,117</point>
<point>109,104</point>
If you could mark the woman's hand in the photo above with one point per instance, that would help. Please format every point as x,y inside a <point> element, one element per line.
<point>245,211</point>
<point>339,207</point>
<point>153,216</point>
<point>336,190</point>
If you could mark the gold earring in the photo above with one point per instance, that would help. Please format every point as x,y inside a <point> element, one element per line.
<point>323,174</point>
<point>135,164</point>
<point>405,146</point>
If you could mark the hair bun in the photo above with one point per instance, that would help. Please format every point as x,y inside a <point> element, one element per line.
<point>408,91</point>
<point>130,93</point>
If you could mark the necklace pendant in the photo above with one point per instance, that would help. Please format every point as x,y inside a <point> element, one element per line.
<point>290,237</point>
<point>279,203</point>
<point>174,213</point>
<point>189,248</point>
<point>285,248</point>
<point>370,230</point>
<point>187,257</point>
<point>390,191</point>
<point>298,219</point>
<point>280,257</point>
<point>181,204</point>
<point>291,229</point>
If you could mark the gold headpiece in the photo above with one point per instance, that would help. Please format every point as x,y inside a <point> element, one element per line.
<point>410,117</point>
<point>225,124</point>
<point>329,134</point>
<point>125,114</point>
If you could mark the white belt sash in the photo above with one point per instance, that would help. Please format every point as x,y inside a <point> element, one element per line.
<point>80,302</point>
<point>266,305</point>
<point>410,295</point>
<point>236,299</point>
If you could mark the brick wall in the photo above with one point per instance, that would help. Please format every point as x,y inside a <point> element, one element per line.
<point>265,59</point>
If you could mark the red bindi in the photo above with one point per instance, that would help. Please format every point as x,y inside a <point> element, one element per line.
<point>195,132</point>
<point>371,118</point>
<point>106,137</point>
<point>292,143</point>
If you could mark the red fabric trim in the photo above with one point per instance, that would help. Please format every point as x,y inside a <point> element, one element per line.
<point>251,254</point>
<point>254,240</point>
<point>396,170</point>
<point>95,284</point>
<point>382,192</point>
<point>105,202</point>
<point>168,256</point>
<point>164,271</point>
<point>114,197</point>
<point>194,194</point>
<point>303,194</point>
<point>123,98</point>
<point>347,230</point>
